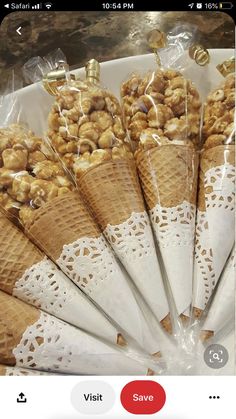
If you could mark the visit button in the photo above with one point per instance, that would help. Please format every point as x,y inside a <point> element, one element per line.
<point>143,397</point>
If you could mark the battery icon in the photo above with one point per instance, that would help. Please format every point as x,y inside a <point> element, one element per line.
<point>226,5</point>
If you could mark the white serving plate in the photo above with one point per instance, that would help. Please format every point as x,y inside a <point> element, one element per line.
<point>33,106</point>
<point>35,102</point>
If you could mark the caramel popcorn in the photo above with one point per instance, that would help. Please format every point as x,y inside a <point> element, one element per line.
<point>86,128</point>
<point>219,110</point>
<point>29,174</point>
<point>162,100</point>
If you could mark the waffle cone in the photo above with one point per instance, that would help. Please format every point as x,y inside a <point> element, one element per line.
<point>168,175</point>
<point>61,221</point>
<point>206,335</point>
<point>112,191</point>
<point>213,157</point>
<point>17,254</point>
<point>15,317</point>
<point>197,313</point>
<point>166,324</point>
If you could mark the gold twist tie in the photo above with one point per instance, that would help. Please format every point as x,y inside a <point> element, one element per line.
<point>227,67</point>
<point>199,54</point>
<point>56,78</point>
<point>92,69</point>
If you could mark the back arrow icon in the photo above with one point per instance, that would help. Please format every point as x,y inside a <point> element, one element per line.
<point>18,30</point>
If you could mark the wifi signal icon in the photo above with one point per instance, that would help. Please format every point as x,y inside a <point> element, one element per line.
<point>48,5</point>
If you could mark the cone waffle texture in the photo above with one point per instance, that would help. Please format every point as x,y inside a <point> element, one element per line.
<point>17,254</point>
<point>210,158</point>
<point>168,174</point>
<point>112,191</point>
<point>61,221</point>
<point>15,317</point>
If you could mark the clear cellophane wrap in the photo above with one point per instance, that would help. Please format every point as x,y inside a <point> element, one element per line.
<point>162,117</point>
<point>215,230</point>
<point>87,132</point>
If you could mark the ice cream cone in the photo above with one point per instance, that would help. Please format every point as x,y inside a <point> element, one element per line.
<point>30,338</point>
<point>26,273</point>
<point>99,157</point>
<point>15,318</point>
<point>169,177</point>
<point>215,221</point>
<point>162,115</point>
<point>222,307</point>
<point>113,193</point>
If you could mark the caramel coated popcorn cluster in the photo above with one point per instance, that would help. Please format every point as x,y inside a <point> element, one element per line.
<point>85,127</point>
<point>161,107</point>
<point>29,174</point>
<point>219,110</point>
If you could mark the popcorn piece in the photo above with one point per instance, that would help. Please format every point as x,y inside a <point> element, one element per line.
<point>230,99</point>
<point>151,137</point>
<point>26,215</point>
<point>158,115</point>
<point>21,186</point>
<point>216,96</point>
<point>9,204</point>
<point>178,82</point>
<point>47,170</point>
<point>86,145</point>
<point>98,102</point>
<point>136,128</point>
<point>176,129</point>
<point>53,121</point>
<point>6,177</point>
<point>69,159</point>
<point>112,105</point>
<point>42,191</point>
<point>103,119</point>
<point>89,130</point>
<point>215,140</point>
<point>118,129</point>
<point>14,159</point>
<point>34,157</point>
<point>107,139</point>
<point>80,166</point>
<point>131,86</point>
<point>99,156</point>
<point>229,130</point>
<point>119,153</point>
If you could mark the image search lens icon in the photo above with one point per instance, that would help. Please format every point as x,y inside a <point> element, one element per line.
<point>216,356</point>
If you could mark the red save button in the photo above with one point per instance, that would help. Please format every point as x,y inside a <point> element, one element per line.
<point>143,397</point>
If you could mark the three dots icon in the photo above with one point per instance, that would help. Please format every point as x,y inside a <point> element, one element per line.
<point>214,397</point>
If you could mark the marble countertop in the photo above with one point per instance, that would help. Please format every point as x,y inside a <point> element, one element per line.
<point>100,35</point>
